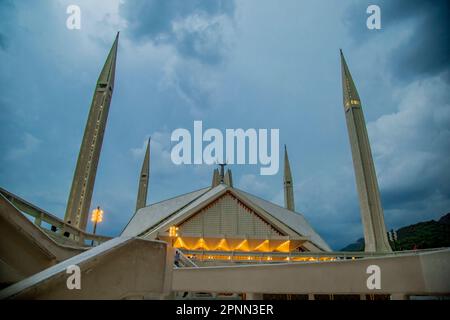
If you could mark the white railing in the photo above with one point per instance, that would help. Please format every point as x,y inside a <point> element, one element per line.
<point>51,224</point>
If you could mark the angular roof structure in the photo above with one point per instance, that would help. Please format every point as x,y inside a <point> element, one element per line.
<point>147,217</point>
<point>161,215</point>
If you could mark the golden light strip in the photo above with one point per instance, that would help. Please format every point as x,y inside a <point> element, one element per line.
<point>264,244</point>
<point>284,247</point>
<point>261,258</point>
<point>223,244</point>
<point>201,244</point>
<point>179,243</point>
<point>243,244</point>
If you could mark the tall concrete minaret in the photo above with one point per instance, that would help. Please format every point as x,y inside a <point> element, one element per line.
<point>77,211</point>
<point>375,235</point>
<point>228,180</point>
<point>215,178</point>
<point>288,184</point>
<point>141,201</point>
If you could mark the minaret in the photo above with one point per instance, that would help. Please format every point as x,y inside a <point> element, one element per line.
<point>143,181</point>
<point>288,184</point>
<point>222,172</point>
<point>228,180</point>
<point>215,178</point>
<point>375,235</point>
<point>77,211</point>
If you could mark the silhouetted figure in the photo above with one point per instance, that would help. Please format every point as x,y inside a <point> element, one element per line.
<point>177,258</point>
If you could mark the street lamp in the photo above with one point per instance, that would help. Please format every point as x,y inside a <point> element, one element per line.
<point>97,216</point>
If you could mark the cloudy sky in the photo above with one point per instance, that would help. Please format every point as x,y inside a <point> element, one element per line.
<point>231,64</point>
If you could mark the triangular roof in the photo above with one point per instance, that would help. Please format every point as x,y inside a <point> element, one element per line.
<point>151,219</point>
<point>152,215</point>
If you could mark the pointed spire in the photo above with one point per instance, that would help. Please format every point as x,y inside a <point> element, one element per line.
<point>141,201</point>
<point>350,94</point>
<point>287,167</point>
<point>109,69</point>
<point>375,235</point>
<point>83,182</point>
<point>289,202</point>
<point>215,179</point>
<point>228,180</point>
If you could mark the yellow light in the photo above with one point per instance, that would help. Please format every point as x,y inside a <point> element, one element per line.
<point>263,246</point>
<point>173,231</point>
<point>243,245</point>
<point>97,215</point>
<point>201,244</point>
<point>179,243</point>
<point>284,247</point>
<point>223,245</point>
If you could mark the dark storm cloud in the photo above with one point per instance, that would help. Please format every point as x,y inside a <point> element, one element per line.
<point>426,51</point>
<point>193,27</point>
<point>411,145</point>
<point>412,151</point>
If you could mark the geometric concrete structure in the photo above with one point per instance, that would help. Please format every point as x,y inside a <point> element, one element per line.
<point>224,225</point>
<point>26,249</point>
<point>143,180</point>
<point>289,202</point>
<point>79,202</point>
<point>135,268</point>
<point>375,234</point>
<point>414,273</point>
<point>231,243</point>
<point>228,179</point>
<point>215,178</point>
<point>121,268</point>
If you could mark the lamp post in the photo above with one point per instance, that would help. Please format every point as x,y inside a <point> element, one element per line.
<point>97,216</point>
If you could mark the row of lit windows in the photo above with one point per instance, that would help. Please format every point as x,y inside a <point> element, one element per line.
<point>210,257</point>
<point>224,245</point>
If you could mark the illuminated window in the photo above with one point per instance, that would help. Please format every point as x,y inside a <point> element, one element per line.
<point>173,231</point>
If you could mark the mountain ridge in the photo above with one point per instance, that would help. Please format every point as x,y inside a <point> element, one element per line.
<point>421,235</point>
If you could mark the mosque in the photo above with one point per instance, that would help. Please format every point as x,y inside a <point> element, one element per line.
<point>218,242</point>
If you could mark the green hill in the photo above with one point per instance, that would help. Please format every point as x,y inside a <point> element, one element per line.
<point>422,235</point>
